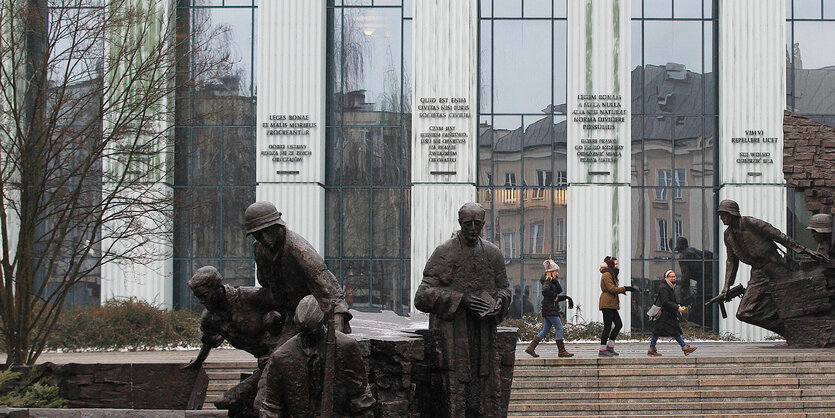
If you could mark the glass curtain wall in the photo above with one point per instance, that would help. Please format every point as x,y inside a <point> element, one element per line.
<point>522,139</point>
<point>810,84</point>
<point>674,151</point>
<point>75,65</point>
<point>214,174</point>
<point>368,152</point>
<point>810,59</point>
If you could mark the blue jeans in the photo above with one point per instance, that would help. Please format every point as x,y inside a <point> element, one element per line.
<point>551,321</point>
<point>654,340</point>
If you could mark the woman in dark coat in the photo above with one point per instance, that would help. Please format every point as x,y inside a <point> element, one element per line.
<point>667,324</point>
<point>551,298</point>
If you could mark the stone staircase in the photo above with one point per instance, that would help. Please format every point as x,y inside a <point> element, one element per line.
<point>683,386</point>
<point>222,376</point>
<point>784,386</point>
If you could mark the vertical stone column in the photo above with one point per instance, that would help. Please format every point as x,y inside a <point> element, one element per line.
<point>444,122</point>
<point>752,96</point>
<point>599,197</point>
<point>290,139</point>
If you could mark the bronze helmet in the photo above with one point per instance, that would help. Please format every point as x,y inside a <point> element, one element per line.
<point>821,222</point>
<point>730,207</point>
<point>260,215</point>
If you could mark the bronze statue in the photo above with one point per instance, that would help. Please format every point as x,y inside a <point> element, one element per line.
<point>752,241</point>
<point>465,291</point>
<point>244,317</point>
<point>821,227</point>
<point>291,268</point>
<point>296,377</point>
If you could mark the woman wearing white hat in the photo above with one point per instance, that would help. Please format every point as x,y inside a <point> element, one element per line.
<point>551,298</point>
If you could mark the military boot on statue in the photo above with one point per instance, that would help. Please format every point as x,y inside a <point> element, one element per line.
<point>532,346</point>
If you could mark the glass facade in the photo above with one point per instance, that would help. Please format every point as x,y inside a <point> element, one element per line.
<point>674,176</point>
<point>368,152</point>
<point>522,161</point>
<point>810,61</point>
<point>214,176</point>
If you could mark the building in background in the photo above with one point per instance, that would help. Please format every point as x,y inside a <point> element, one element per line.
<point>371,122</point>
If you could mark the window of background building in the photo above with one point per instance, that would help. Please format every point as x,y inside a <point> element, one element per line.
<point>214,174</point>
<point>368,152</point>
<point>522,133</point>
<point>810,59</point>
<point>674,178</point>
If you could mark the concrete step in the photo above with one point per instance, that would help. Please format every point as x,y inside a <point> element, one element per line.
<point>227,375</point>
<point>681,407</point>
<point>244,365</point>
<point>660,413</point>
<point>719,395</point>
<point>685,407</point>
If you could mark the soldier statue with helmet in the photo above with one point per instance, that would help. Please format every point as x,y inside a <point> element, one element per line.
<point>753,242</point>
<point>291,268</point>
<point>821,227</point>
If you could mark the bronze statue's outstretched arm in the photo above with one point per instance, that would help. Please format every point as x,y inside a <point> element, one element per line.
<point>770,232</point>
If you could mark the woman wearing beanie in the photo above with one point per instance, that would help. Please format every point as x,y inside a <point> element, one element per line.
<point>667,324</point>
<point>551,309</point>
<point>609,305</point>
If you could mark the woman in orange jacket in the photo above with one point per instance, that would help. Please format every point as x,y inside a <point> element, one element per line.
<point>609,305</point>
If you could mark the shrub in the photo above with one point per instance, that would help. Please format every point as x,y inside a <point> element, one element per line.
<point>125,324</point>
<point>28,390</point>
<point>531,324</point>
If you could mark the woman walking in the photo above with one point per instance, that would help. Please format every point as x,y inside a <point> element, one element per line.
<point>551,298</point>
<point>609,305</point>
<point>667,324</point>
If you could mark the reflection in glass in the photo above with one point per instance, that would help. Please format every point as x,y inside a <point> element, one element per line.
<point>560,45</point>
<point>674,129</point>
<point>672,67</point>
<point>814,68</point>
<point>688,9</point>
<point>369,59</point>
<point>205,235</point>
<point>807,9</point>
<point>658,8</point>
<point>537,8</point>
<point>235,241</point>
<point>333,232</point>
<point>214,166</point>
<point>385,280</point>
<point>518,47</point>
<point>387,206</point>
<point>507,8</point>
<point>368,152</point>
<point>356,205</point>
<point>522,155</point>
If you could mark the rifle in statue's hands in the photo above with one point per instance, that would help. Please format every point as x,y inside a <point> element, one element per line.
<point>721,299</point>
<point>326,409</point>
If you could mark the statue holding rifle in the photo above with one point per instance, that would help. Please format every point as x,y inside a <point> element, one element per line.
<point>768,301</point>
<point>317,372</point>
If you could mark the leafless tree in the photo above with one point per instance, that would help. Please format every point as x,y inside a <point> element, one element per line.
<point>86,141</point>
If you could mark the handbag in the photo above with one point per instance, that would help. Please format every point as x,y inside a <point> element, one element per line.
<point>655,311</point>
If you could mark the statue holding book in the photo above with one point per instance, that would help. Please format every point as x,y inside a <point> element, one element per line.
<point>466,292</point>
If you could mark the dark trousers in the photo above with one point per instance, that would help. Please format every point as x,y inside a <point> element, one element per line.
<point>610,317</point>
